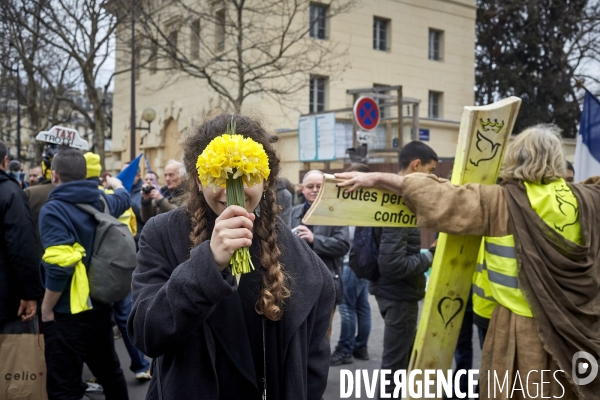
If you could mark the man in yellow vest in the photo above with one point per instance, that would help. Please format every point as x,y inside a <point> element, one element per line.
<point>541,257</point>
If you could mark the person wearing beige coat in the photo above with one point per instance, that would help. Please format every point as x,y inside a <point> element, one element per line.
<point>560,279</point>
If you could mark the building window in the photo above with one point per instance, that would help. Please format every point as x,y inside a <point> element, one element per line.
<point>195,40</point>
<point>220,30</point>
<point>435,104</point>
<point>318,21</point>
<point>435,44</point>
<point>380,34</point>
<point>173,47</point>
<point>318,86</point>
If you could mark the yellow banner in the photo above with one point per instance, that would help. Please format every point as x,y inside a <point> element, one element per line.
<point>363,207</point>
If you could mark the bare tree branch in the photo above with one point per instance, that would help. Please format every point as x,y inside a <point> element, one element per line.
<point>242,47</point>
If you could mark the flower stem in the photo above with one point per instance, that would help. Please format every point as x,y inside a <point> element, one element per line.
<point>241,263</point>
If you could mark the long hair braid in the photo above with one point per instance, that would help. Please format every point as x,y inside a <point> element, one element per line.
<point>198,210</point>
<point>274,291</point>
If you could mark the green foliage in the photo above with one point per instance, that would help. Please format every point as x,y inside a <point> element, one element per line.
<point>525,48</point>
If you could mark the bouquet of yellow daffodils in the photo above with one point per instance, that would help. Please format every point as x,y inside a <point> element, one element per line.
<point>232,161</point>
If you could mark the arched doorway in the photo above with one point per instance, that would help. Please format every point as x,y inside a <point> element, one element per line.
<point>170,140</point>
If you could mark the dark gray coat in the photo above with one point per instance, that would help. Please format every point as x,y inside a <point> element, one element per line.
<point>331,243</point>
<point>401,266</point>
<point>175,290</point>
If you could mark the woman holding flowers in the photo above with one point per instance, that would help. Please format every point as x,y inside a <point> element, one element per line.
<point>258,331</point>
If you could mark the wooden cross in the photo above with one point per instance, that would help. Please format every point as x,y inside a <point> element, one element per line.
<point>483,135</point>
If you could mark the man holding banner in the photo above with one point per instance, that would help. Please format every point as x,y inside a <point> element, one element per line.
<point>402,267</point>
<point>542,242</point>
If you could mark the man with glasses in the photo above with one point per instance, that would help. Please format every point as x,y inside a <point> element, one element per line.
<point>330,243</point>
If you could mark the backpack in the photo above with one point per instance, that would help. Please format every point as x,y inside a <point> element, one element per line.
<point>365,252</point>
<point>113,258</point>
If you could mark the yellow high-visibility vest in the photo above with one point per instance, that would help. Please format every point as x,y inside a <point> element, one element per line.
<point>500,263</point>
<point>483,300</point>
<point>495,278</point>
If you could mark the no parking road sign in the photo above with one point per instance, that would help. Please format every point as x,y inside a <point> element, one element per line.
<point>366,113</point>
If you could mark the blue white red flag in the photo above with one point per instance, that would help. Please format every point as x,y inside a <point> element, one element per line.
<point>587,152</point>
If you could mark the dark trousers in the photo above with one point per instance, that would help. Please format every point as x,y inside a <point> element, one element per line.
<point>400,319</point>
<point>463,355</point>
<point>481,333</point>
<point>74,339</point>
<point>17,327</point>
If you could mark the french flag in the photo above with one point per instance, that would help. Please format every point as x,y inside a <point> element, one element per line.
<point>587,151</point>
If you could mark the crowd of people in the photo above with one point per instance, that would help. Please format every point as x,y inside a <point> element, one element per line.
<point>213,334</point>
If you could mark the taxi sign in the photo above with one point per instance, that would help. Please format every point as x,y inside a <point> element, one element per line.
<point>63,136</point>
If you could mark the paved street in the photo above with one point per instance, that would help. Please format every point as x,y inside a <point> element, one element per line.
<point>137,390</point>
<point>375,348</point>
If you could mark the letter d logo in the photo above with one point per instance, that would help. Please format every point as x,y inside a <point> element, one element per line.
<point>582,366</point>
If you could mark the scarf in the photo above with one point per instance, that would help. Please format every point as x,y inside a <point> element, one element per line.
<point>67,256</point>
<point>561,279</point>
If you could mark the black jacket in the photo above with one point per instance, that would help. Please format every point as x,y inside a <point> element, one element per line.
<point>19,257</point>
<point>401,266</point>
<point>175,292</point>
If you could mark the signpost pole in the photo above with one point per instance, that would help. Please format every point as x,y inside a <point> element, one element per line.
<point>415,121</point>
<point>400,138</point>
<point>132,141</point>
<point>354,125</point>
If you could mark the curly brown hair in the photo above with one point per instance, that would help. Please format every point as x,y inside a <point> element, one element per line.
<point>274,290</point>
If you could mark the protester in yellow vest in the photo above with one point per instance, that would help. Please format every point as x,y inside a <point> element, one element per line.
<point>540,262</point>
<point>483,298</point>
<point>94,169</point>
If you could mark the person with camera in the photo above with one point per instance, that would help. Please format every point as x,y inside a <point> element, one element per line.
<point>156,201</point>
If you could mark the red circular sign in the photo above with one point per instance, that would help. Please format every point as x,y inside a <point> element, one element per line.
<point>366,113</point>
